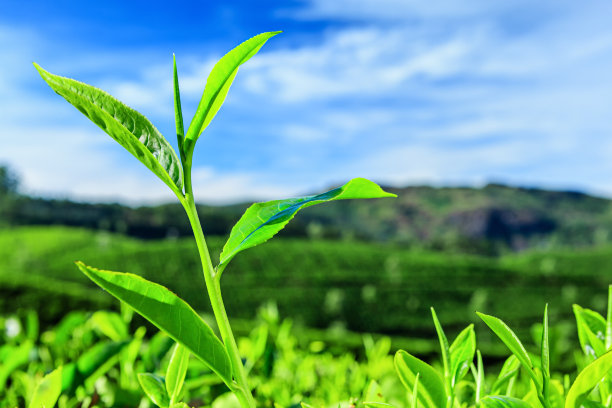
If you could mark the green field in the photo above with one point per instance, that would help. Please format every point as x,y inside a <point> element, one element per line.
<point>362,287</point>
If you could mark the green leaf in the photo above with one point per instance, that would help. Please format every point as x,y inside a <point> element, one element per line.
<point>75,374</point>
<point>588,379</point>
<point>218,83</point>
<point>153,386</point>
<point>179,405</point>
<point>431,387</point>
<point>178,112</point>
<point>545,355</point>
<point>169,313</point>
<point>502,401</point>
<point>262,221</point>
<point>511,341</point>
<point>509,370</point>
<point>373,393</point>
<point>592,404</point>
<point>128,127</point>
<point>591,330</point>
<point>414,396</point>
<point>608,342</point>
<point>17,357</point>
<point>462,354</point>
<point>445,352</point>
<point>177,369</point>
<point>110,324</point>
<point>48,390</point>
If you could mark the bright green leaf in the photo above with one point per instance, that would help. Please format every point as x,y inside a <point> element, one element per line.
<point>75,374</point>
<point>153,386</point>
<point>502,401</point>
<point>588,379</point>
<point>545,355</point>
<point>178,112</point>
<point>431,387</point>
<point>511,341</point>
<point>110,324</point>
<point>262,221</point>
<point>16,358</point>
<point>462,353</point>
<point>444,351</point>
<point>591,330</point>
<point>608,343</point>
<point>177,369</point>
<point>168,312</point>
<point>48,390</point>
<point>509,370</point>
<point>218,83</point>
<point>128,127</point>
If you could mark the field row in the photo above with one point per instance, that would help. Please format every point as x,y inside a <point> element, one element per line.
<point>363,287</point>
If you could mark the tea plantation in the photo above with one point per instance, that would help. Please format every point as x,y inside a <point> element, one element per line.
<point>358,286</point>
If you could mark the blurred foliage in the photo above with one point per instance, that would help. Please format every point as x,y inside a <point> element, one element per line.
<point>321,283</point>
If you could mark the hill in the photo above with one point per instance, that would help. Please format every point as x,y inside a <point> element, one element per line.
<point>491,220</point>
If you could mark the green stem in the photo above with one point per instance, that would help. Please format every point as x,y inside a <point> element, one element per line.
<point>241,388</point>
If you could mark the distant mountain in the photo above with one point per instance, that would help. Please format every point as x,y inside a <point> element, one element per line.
<point>489,220</point>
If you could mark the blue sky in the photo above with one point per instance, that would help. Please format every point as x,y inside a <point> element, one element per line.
<point>398,91</point>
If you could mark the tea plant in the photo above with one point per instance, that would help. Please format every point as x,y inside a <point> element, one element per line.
<point>592,388</point>
<point>259,223</point>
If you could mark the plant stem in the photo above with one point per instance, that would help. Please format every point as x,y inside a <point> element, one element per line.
<point>241,388</point>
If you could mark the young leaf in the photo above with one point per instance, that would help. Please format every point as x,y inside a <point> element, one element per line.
<point>110,324</point>
<point>512,342</point>
<point>462,353</point>
<point>608,343</point>
<point>262,221</point>
<point>178,112</point>
<point>169,313</point>
<point>545,355</point>
<point>48,390</point>
<point>177,369</point>
<point>90,362</point>
<point>128,127</point>
<point>218,83</point>
<point>17,357</point>
<point>415,392</point>
<point>502,401</point>
<point>591,330</point>
<point>445,352</point>
<point>431,387</point>
<point>479,377</point>
<point>153,386</point>
<point>508,371</point>
<point>588,379</point>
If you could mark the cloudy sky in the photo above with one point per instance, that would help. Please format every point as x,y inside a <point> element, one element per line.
<point>398,91</point>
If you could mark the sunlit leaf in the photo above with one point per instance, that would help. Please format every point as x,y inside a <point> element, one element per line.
<point>431,387</point>
<point>153,386</point>
<point>462,353</point>
<point>177,369</point>
<point>168,312</point>
<point>502,401</point>
<point>48,390</point>
<point>262,221</point>
<point>588,379</point>
<point>218,83</point>
<point>591,331</point>
<point>128,127</point>
<point>511,341</point>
